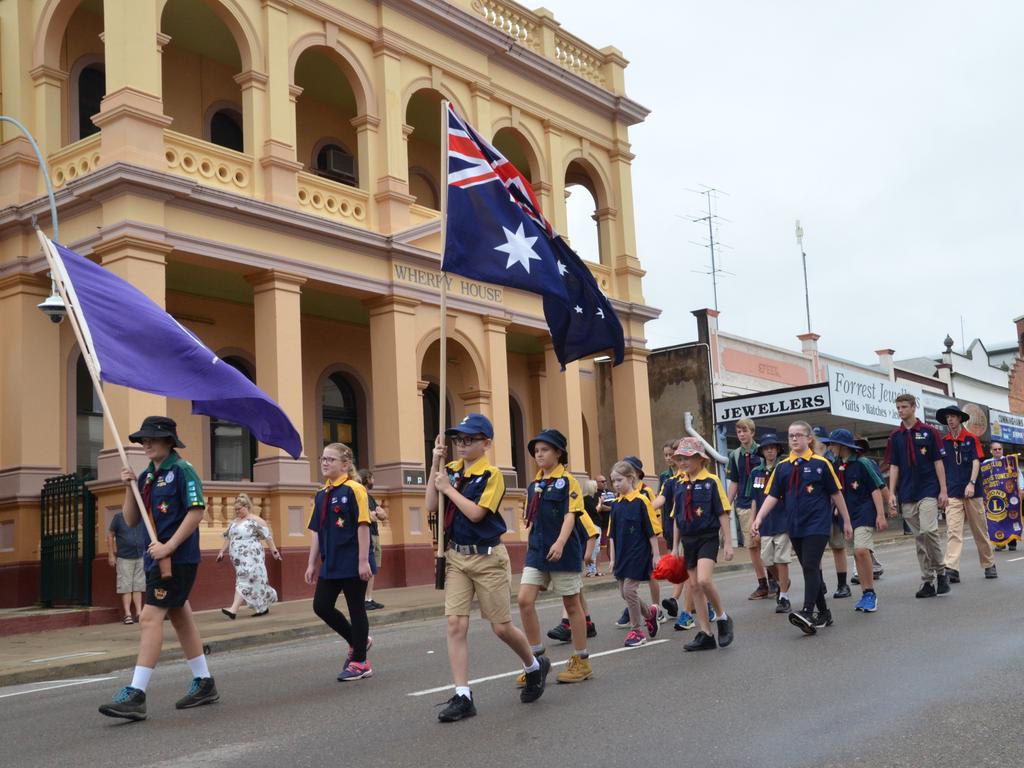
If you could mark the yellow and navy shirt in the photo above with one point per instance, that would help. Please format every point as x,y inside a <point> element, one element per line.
<point>339,508</point>
<point>805,484</point>
<point>174,491</point>
<point>631,524</point>
<point>560,494</point>
<point>482,484</point>
<point>699,502</point>
<point>775,522</point>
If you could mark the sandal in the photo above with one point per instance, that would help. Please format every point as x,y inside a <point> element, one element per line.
<point>228,613</point>
<point>128,620</point>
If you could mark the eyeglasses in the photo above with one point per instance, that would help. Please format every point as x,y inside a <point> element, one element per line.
<point>330,459</point>
<point>797,435</point>
<point>465,442</point>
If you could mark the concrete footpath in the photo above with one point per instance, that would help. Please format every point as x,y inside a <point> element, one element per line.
<point>61,654</point>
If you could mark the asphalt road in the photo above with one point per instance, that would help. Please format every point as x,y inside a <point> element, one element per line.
<point>920,683</point>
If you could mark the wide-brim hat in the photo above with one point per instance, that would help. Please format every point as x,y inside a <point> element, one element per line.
<point>690,446</point>
<point>951,410</point>
<point>842,437</point>
<point>555,439</point>
<point>769,438</point>
<point>862,444</point>
<point>157,426</point>
<point>821,433</point>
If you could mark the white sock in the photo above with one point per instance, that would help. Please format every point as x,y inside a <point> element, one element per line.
<point>723,616</point>
<point>140,678</point>
<point>463,690</point>
<point>198,666</point>
<point>532,667</point>
<point>784,595</point>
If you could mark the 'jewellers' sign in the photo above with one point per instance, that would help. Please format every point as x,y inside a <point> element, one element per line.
<point>471,289</point>
<point>813,398</point>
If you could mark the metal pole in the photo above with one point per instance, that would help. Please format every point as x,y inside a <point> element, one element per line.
<point>803,257</point>
<point>43,168</point>
<point>711,241</point>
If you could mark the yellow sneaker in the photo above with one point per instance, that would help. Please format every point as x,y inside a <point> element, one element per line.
<point>576,671</point>
<point>521,680</point>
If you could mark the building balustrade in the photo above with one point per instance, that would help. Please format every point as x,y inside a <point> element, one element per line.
<point>74,161</point>
<point>208,164</point>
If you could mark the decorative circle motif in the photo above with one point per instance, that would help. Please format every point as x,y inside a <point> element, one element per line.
<point>206,168</point>
<point>188,163</point>
<point>332,204</point>
<point>358,212</point>
<point>241,178</point>
<point>171,157</point>
<point>345,208</point>
<point>223,173</point>
<point>303,196</point>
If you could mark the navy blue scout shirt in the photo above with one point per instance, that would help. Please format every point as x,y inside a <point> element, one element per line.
<point>960,453</point>
<point>805,484</point>
<point>777,521</point>
<point>560,494</point>
<point>339,508</point>
<point>631,524</point>
<point>482,484</point>
<point>914,452</point>
<point>741,463</point>
<point>860,479</point>
<point>698,504</point>
<point>176,491</point>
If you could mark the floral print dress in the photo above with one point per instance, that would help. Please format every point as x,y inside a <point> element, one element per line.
<point>246,549</point>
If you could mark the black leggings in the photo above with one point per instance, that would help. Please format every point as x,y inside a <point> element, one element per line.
<point>809,550</point>
<point>355,634</point>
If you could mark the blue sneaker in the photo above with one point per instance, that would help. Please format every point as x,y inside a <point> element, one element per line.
<point>684,622</point>
<point>712,616</point>
<point>868,603</point>
<point>623,621</point>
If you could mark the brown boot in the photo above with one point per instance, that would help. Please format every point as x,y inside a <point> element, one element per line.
<point>576,671</point>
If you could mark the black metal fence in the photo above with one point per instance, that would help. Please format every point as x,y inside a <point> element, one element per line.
<point>67,541</point>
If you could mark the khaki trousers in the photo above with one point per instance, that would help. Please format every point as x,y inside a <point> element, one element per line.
<point>922,517</point>
<point>973,510</point>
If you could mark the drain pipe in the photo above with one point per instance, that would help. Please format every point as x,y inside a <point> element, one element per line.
<point>688,424</point>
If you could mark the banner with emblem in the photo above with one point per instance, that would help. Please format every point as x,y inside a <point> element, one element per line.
<point>1002,499</point>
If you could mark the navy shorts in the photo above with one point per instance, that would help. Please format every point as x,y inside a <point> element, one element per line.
<point>702,547</point>
<point>172,592</point>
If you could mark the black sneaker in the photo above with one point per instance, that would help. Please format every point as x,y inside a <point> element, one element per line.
<point>804,621</point>
<point>773,587</point>
<point>561,633</point>
<point>990,572</point>
<point>535,681</point>
<point>129,703</point>
<point>841,592</point>
<point>1013,545</point>
<point>591,629</point>
<point>376,606</point>
<point>822,619</point>
<point>368,605</point>
<point>202,691</point>
<point>457,708</point>
<point>701,642</point>
<point>953,575</point>
<point>855,579</point>
<point>926,590</point>
<point>724,631</point>
<point>782,605</point>
<point>671,606</point>
<point>943,584</point>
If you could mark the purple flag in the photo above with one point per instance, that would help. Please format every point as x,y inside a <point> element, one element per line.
<point>137,344</point>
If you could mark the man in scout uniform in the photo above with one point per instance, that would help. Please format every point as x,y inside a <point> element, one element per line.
<point>742,461</point>
<point>917,486</point>
<point>477,563</point>
<point>173,494</point>
<point>962,464</point>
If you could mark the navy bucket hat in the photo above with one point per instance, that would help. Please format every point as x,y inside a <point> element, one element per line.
<point>843,437</point>
<point>555,439</point>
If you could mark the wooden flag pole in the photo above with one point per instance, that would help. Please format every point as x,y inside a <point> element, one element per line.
<point>90,363</point>
<point>442,400</point>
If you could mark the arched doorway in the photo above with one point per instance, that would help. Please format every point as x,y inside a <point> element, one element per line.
<point>431,415</point>
<point>88,422</point>
<point>340,415</point>
<point>423,115</point>
<point>519,458</point>
<point>326,140</point>
<point>233,449</point>
<point>581,205</point>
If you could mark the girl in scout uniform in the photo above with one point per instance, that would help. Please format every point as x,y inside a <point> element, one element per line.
<point>646,490</point>
<point>554,552</point>
<point>776,548</point>
<point>701,511</point>
<point>633,531</point>
<point>807,485</point>
<point>340,518</point>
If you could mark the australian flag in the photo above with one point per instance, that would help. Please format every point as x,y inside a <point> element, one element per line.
<point>495,232</point>
<point>136,344</point>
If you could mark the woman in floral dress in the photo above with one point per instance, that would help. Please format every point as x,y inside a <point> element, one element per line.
<point>244,539</point>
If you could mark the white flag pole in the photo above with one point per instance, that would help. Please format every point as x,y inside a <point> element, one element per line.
<point>442,406</point>
<point>77,323</point>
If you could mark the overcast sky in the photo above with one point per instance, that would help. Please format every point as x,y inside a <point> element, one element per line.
<point>891,128</point>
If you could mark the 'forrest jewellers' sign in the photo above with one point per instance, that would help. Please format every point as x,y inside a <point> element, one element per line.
<point>428,278</point>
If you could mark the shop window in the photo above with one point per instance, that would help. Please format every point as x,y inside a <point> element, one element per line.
<point>233,449</point>
<point>88,422</point>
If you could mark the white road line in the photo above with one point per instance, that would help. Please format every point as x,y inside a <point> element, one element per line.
<point>1014,559</point>
<point>56,685</point>
<point>67,656</point>
<point>439,689</point>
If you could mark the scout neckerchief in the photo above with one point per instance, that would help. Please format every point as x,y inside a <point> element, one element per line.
<point>794,476</point>
<point>908,435</point>
<point>147,488</point>
<point>327,496</point>
<point>688,502</point>
<point>531,510</point>
<point>449,505</point>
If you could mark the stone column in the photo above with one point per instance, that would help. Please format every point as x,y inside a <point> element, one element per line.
<point>495,330</point>
<point>50,124</point>
<point>254,116</point>
<point>632,405</point>
<point>278,323</point>
<point>277,153</point>
<point>553,197</point>
<point>367,141</point>
<point>390,187</point>
<point>565,405</point>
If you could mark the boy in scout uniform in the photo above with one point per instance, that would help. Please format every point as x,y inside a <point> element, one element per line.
<point>742,461</point>
<point>477,563</point>
<point>173,495</point>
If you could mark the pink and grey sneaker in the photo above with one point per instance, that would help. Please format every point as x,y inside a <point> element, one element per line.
<point>652,622</point>
<point>355,670</point>
<point>635,639</point>
<point>351,651</point>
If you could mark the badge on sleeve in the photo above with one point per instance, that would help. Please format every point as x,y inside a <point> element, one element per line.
<point>560,483</point>
<point>169,477</point>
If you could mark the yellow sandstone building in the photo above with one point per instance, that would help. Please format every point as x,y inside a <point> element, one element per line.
<point>268,171</point>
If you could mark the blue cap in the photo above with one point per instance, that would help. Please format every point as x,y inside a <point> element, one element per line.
<point>843,437</point>
<point>638,465</point>
<point>473,424</point>
<point>770,438</point>
<point>555,439</point>
<point>821,433</point>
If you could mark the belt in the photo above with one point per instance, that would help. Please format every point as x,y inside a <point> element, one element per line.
<point>473,549</point>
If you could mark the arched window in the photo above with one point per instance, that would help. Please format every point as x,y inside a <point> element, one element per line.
<point>431,414</point>
<point>336,163</point>
<point>88,422</point>
<point>518,441</point>
<point>340,414</point>
<point>226,129</point>
<point>423,187</point>
<point>92,85</point>
<point>233,449</point>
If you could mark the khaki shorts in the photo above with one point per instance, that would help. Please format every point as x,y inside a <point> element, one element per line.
<point>863,537</point>
<point>130,575</point>
<point>777,549</point>
<point>837,540</point>
<point>488,577</point>
<point>378,553</point>
<point>746,516</point>
<point>561,583</point>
